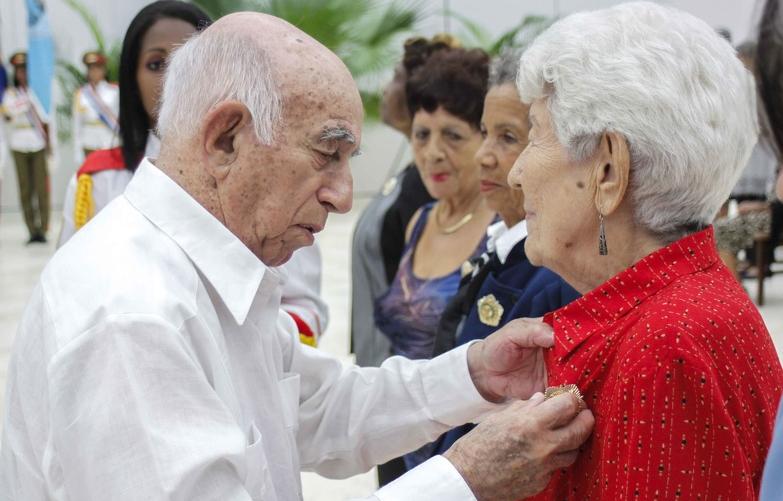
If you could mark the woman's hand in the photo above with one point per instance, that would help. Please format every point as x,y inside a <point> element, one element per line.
<point>510,362</point>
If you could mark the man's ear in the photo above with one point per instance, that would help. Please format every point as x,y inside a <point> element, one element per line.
<point>612,173</point>
<point>222,125</point>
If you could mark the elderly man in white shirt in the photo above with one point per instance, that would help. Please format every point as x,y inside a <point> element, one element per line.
<point>153,361</point>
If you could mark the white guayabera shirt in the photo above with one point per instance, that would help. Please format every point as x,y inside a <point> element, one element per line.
<point>301,290</point>
<point>153,362</point>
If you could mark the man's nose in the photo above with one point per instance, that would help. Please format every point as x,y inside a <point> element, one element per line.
<point>337,193</point>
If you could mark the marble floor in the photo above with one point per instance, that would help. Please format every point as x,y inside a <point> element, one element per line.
<point>20,266</point>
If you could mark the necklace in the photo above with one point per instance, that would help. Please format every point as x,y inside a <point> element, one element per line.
<point>454,227</point>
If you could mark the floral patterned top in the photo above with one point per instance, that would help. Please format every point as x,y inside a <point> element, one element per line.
<point>409,312</point>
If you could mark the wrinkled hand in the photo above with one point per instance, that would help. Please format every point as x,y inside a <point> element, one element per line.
<point>513,453</point>
<point>510,362</point>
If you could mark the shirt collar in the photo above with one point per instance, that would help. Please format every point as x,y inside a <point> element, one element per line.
<point>230,267</point>
<point>502,239</point>
<point>605,305</point>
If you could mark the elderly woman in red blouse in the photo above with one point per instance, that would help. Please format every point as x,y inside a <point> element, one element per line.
<point>642,118</point>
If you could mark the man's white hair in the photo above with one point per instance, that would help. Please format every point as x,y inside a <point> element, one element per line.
<point>665,81</point>
<point>213,67</point>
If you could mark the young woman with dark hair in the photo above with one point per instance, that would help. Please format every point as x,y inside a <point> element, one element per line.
<point>155,31</point>
<point>152,35</point>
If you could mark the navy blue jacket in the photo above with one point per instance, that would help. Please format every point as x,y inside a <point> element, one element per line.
<point>524,291</point>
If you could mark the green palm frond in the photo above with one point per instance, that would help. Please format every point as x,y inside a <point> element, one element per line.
<point>521,35</point>
<point>113,62</point>
<point>219,8</point>
<point>71,74</point>
<point>473,34</point>
<point>69,78</point>
<point>517,37</point>
<point>90,21</point>
<point>385,24</point>
<point>330,22</point>
<point>365,34</point>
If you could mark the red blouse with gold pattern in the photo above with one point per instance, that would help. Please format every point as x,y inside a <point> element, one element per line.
<point>676,364</point>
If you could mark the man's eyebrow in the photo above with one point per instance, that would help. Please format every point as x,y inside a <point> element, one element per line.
<point>337,134</point>
<point>329,134</point>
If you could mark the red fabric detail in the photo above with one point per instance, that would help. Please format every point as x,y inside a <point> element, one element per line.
<point>678,368</point>
<point>302,325</point>
<point>102,160</point>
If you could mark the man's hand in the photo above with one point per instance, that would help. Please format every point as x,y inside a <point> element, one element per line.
<point>510,362</point>
<point>513,453</point>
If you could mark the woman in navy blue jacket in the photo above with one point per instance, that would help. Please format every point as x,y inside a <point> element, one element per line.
<point>502,284</point>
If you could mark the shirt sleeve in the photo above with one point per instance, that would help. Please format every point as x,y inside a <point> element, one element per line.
<point>352,418</point>
<point>133,417</point>
<point>678,441</point>
<point>434,479</point>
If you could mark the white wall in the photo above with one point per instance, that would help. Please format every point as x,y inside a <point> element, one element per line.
<point>381,145</point>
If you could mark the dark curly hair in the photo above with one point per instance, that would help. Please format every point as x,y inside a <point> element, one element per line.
<point>418,49</point>
<point>455,79</point>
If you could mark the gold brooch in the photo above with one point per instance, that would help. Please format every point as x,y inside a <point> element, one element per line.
<point>490,310</point>
<point>554,391</point>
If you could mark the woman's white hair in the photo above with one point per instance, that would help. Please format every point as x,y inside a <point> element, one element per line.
<point>665,81</point>
<point>212,67</point>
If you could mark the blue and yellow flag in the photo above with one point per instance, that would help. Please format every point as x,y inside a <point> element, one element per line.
<point>40,53</point>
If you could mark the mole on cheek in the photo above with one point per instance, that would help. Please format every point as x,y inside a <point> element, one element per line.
<point>580,184</point>
<point>568,245</point>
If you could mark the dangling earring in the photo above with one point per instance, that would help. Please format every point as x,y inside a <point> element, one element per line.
<point>602,250</point>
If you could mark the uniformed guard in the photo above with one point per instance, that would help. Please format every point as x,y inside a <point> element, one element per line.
<point>95,109</point>
<point>28,138</point>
